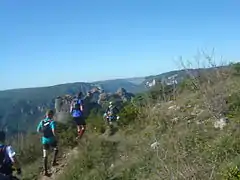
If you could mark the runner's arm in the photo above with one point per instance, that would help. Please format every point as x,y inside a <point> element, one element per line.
<point>106,111</point>
<point>81,105</point>
<point>53,126</point>
<point>39,127</point>
<point>71,107</point>
<point>16,162</point>
<point>12,156</point>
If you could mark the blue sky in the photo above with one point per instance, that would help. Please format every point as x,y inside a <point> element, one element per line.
<point>50,42</point>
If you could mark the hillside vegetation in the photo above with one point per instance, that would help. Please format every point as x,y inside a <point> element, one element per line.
<point>184,131</point>
<point>184,134</point>
<point>21,109</point>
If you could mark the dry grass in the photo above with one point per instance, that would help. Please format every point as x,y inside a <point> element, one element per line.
<point>188,145</point>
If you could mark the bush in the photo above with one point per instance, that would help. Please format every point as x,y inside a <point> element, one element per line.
<point>234,102</point>
<point>66,134</point>
<point>140,100</point>
<point>187,85</point>
<point>236,68</point>
<point>96,124</point>
<point>27,146</point>
<point>232,173</point>
<point>128,114</point>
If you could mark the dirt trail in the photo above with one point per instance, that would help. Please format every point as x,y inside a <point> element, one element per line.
<point>63,162</point>
<point>72,154</point>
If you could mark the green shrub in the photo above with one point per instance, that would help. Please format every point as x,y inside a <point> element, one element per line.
<point>234,102</point>
<point>236,68</point>
<point>232,173</point>
<point>66,134</point>
<point>128,114</point>
<point>187,84</point>
<point>28,147</point>
<point>96,124</point>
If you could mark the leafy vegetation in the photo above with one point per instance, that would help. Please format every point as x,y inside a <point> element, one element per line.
<point>21,109</point>
<point>187,145</point>
<point>169,132</point>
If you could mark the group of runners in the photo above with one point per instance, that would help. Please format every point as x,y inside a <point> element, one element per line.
<point>47,127</point>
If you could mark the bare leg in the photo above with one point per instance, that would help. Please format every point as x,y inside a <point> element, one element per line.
<point>82,130</point>
<point>55,156</point>
<point>78,128</point>
<point>45,161</point>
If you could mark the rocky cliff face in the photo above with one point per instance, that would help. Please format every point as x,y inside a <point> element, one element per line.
<point>95,98</point>
<point>62,108</point>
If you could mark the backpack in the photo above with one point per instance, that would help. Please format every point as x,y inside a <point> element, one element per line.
<point>46,128</point>
<point>113,110</point>
<point>76,104</point>
<point>5,162</point>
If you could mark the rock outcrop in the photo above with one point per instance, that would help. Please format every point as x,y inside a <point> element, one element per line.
<point>95,98</point>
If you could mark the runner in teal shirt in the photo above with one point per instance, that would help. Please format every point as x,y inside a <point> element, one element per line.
<point>47,126</point>
<point>52,125</point>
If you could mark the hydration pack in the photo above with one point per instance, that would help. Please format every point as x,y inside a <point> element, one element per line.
<point>112,111</point>
<point>46,128</point>
<point>5,161</point>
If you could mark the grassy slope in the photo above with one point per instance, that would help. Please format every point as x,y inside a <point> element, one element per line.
<point>187,149</point>
<point>189,146</point>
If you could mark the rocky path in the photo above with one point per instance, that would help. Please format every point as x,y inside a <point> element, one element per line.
<point>63,163</point>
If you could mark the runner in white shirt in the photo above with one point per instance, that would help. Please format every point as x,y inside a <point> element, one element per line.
<point>8,158</point>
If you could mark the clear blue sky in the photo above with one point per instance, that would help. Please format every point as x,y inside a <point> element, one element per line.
<point>48,42</point>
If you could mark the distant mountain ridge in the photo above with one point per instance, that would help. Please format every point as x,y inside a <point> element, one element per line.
<point>20,109</point>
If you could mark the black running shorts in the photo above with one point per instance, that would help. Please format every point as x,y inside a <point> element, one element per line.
<point>50,145</point>
<point>79,121</point>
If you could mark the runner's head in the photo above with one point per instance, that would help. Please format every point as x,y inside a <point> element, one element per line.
<point>49,113</point>
<point>89,93</point>
<point>79,95</point>
<point>2,136</point>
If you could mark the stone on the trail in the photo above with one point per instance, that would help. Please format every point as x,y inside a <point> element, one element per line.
<point>112,166</point>
<point>154,145</point>
<point>174,120</point>
<point>173,107</point>
<point>221,123</point>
